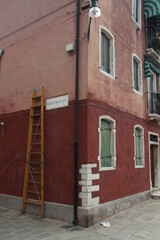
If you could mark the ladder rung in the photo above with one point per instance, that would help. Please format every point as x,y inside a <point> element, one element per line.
<point>34,97</point>
<point>36,143</point>
<point>35,153</point>
<point>36,115</point>
<point>35,163</point>
<point>36,134</point>
<point>35,182</point>
<point>36,106</point>
<point>36,124</point>
<point>34,192</point>
<point>35,172</point>
<point>33,202</point>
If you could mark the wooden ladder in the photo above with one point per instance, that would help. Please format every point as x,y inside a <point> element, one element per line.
<point>33,190</point>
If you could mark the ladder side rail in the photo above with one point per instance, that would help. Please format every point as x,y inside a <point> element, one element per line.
<point>25,187</point>
<point>42,152</point>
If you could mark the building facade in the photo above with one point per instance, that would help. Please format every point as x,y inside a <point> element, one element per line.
<point>118,103</point>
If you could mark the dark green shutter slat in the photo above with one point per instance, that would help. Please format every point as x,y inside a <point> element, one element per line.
<point>138,146</point>
<point>105,144</point>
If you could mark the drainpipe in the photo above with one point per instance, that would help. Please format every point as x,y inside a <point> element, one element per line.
<point>75,221</point>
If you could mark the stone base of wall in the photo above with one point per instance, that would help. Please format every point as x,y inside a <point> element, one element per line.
<point>51,210</point>
<point>93,215</point>
<point>86,216</point>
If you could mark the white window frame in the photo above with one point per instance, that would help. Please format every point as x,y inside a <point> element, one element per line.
<point>110,36</point>
<point>139,12</point>
<point>138,60</point>
<point>155,144</point>
<point>113,143</point>
<point>155,89</point>
<point>142,150</point>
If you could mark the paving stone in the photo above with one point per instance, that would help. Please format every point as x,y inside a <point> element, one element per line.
<point>137,223</point>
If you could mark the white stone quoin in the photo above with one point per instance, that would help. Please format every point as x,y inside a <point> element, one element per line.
<point>87,187</point>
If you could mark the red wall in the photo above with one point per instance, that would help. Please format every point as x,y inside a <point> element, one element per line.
<point>59,152</point>
<point>126,179</point>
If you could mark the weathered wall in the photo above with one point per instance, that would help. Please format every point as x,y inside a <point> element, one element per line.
<point>59,152</point>
<point>117,18</point>
<point>125,180</point>
<point>34,35</point>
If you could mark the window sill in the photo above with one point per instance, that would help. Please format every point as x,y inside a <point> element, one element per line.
<point>107,74</point>
<point>137,23</point>
<point>139,166</point>
<point>140,93</point>
<point>107,169</point>
<point>154,116</point>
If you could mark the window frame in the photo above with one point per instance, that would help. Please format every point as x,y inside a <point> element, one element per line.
<point>140,82</point>
<point>138,12</point>
<point>154,82</point>
<point>110,36</point>
<point>112,143</point>
<point>142,147</point>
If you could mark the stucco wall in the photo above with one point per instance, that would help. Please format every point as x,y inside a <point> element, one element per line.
<point>59,152</point>
<point>34,35</point>
<point>117,18</point>
<point>125,180</point>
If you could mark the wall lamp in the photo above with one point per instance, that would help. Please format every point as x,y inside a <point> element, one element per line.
<point>1,52</point>
<point>94,11</point>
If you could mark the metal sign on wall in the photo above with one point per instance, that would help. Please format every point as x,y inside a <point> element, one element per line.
<point>57,102</point>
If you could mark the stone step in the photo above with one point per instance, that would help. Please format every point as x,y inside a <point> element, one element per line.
<point>155,193</point>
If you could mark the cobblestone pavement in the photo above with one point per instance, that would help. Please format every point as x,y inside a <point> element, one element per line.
<point>137,223</point>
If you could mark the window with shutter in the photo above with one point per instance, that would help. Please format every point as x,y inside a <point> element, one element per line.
<point>136,11</point>
<point>139,146</point>
<point>107,139</point>
<point>105,143</point>
<point>107,65</point>
<point>137,74</point>
<point>105,53</point>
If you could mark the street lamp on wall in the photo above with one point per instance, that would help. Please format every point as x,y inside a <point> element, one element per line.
<point>94,11</point>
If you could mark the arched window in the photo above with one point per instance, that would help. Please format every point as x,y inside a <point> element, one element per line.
<point>107,52</point>
<point>139,146</point>
<point>137,73</point>
<point>107,143</point>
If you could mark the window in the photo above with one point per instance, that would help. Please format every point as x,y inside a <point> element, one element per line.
<point>139,146</point>
<point>107,52</point>
<point>107,143</point>
<point>137,74</point>
<point>151,93</point>
<point>136,11</point>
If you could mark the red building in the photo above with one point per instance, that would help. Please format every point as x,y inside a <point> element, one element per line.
<point>108,129</point>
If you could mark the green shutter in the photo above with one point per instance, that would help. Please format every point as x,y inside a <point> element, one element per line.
<point>135,68</point>
<point>105,143</point>
<point>105,52</point>
<point>138,146</point>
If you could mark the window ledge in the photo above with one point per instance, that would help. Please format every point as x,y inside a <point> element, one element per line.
<point>140,93</point>
<point>154,116</point>
<point>139,166</point>
<point>107,74</point>
<point>107,169</point>
<point>137,23</point>
<point>153,57</point>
